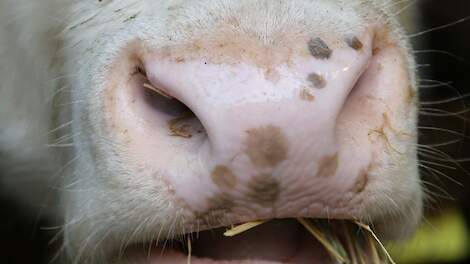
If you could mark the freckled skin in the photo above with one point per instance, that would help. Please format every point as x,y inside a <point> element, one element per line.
<point>317,80</point>
<point>327,166</point>
<point>264,189</point>
<point>266,146</point>
<point>305,95</point>
<point>223,177</point>
<point>319,49</point>
<point>354,42</point>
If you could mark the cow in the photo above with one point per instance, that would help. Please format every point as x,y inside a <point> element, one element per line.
<point>136,122</point>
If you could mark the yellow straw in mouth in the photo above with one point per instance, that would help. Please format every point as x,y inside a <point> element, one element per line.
<point>353,254</point>
<point>318,235</point>
<point>373,249</point>
<point>368,229</point>
<point>352,249</point>
<point>189,250</point>
<point>242,228</point>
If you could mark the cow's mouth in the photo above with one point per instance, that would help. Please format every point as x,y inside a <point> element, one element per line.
<point>275,241</point>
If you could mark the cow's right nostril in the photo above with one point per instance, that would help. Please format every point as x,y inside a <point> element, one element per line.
<point>182,122</point>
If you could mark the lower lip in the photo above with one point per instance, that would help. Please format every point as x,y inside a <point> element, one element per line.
<point>278,241</point>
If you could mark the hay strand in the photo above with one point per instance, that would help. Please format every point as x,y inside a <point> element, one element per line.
<point>373,250</point>
<point>342,248</point>
<point>369,230</point>
<point>242,228</point>
<point>350,245</point>
<point>319,236</point>
<point>189,250</point>
<point>160,92</point>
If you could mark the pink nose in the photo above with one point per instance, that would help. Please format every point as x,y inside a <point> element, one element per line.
<point>284,137</point>
<point>270,130</point>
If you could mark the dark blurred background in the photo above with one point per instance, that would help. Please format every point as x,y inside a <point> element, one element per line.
<point>444,64</point>
<point>444,67</point>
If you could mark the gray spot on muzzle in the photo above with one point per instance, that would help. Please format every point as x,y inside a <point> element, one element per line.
<point>354,42</point>
<point>319,49</point>
<point>264,189</point>
<point>317,80</point>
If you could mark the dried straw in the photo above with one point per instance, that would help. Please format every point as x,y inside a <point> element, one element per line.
<point>242,228</point>
<point>369,230</point>
<point>189,249</point>
<point>321,238</point>
<point>155,89</point>
<point>348,251</point>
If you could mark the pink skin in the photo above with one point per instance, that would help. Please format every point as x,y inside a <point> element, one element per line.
<point>344,118</point>
<point>224,98</point>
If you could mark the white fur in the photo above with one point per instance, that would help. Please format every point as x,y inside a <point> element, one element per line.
<point>53,57</point>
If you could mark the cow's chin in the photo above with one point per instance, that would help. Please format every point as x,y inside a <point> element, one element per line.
<point>273,241</point>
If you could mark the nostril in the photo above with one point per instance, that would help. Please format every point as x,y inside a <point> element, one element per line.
<point>159,100</point>
<point>381,87</point>
<point>181,120</point>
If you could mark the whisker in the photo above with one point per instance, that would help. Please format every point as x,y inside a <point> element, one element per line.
<point>450,54</point>
<point>445,101</point>
<point>442,174</point>
<point>411,36</point>
<point>66,124</point>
